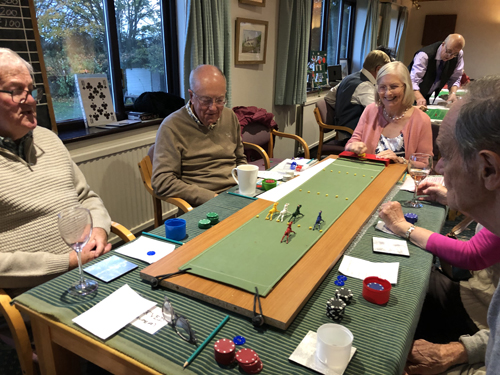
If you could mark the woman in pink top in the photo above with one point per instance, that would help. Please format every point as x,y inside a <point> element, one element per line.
<point>392,127</point>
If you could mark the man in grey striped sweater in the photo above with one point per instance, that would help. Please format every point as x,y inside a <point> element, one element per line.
<point>38,180</point>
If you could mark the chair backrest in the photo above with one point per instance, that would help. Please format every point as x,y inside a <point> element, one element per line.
<point>327,112</point>
<point>257,134</point>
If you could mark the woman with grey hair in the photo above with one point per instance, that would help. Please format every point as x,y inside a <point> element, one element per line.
<point>392,127</point>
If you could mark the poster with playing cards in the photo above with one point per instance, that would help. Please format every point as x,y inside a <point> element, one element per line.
<point>95,99</point>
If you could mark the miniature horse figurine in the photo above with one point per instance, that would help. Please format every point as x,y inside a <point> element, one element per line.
<point>296,213</point>
<point>282,214</point>
<point>272,211</point>
<point>287,232</point>
<point>319,220</point>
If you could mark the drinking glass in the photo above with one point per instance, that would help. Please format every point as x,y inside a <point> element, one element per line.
<point>419,167</point>
<point>75,227</point>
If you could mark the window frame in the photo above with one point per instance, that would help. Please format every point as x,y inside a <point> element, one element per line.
<point>171,59</point>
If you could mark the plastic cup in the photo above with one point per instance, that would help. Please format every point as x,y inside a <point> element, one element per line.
<point>175,229</point>
<point>333,346</point>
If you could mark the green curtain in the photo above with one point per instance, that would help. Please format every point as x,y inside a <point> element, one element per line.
<point>294,28</point>
<point>369,42</point>
<point>208,39</point>
<point>400,36</point>
<point>385,12</point>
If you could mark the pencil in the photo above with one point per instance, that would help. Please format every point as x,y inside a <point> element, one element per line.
<point>207,340</point>
<point>404,177</point>
<point>162,238</point>
<point>241,195</point>
<point>310,160</point>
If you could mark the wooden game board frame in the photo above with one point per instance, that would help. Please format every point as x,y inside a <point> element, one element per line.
<point>289,295</point>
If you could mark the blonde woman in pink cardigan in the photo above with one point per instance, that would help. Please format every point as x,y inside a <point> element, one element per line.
<point>392,127</point>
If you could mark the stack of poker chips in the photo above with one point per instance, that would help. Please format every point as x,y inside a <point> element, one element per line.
<point>224,351</point>
<point>335,308</point>
<point>341,279</point>
<point>344,294</point>
<point>411,217</point>
<point>249,361</point>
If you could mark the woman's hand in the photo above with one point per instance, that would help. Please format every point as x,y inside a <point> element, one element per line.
<point>435,192</point>
<point>389,154</point>
<point>356,147</point>
<point>392,215</point>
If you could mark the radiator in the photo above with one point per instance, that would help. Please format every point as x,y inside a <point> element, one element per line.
<point>113,173</point>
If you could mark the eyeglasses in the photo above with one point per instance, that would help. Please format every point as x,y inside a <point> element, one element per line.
<point>21,96</point>
<point>178,322</point>
<point>389,88</point>
<point>206,101</point>
<point>450,52</point>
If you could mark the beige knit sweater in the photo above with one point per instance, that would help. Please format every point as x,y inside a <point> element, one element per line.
<point>31,195</point>
<point>194,162</point>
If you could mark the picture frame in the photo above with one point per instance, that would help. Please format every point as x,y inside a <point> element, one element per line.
<point>250,41</point>
<point>345,67</point>
<point>259,3</point>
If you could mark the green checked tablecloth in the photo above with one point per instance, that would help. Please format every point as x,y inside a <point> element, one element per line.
<point>382,334</point>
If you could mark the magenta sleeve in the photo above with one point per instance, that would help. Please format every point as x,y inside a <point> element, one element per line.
<point>480,252</point>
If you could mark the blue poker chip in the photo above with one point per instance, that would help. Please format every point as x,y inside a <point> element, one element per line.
<point>239,340</point>
<point>151,253</point>
<point>339,283</point>
<point>411,217</point>
<point>375,286</point>
<point>342,278</point>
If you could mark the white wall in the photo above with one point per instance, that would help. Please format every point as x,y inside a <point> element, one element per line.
<point>477,20</point>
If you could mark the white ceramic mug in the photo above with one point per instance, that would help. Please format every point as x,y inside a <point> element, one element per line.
<point>333,346</point>
<point>247,178</point>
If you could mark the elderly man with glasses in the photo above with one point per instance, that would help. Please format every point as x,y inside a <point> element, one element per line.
<point>198,145</point>
<point>39,180</point>
<point>436,65</point>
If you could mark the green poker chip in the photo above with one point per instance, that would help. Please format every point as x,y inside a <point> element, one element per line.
<point>213,217</point>
<point>204,224</point>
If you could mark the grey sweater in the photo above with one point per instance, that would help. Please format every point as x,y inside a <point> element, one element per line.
<point>194,162</point>
<point>32,193</point>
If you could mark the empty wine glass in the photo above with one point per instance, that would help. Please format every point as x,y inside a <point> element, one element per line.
<point>419,167</point>
<point>75,227</point>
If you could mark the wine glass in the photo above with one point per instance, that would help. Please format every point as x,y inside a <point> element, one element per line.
<point>75,227</point>
<point>419,167</point>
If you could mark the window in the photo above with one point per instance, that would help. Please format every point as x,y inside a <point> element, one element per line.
<point>332,29</point>
<point>127,40</point>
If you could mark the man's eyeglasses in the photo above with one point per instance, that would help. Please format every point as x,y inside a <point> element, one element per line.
<point>389,88</point>
<point>207,101</point>
<point>178,322</point>
<point>21,96</point>
<point>450,52</point>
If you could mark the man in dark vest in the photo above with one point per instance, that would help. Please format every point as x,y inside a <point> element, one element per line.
<point>436,65</point>
<point>356,91</point>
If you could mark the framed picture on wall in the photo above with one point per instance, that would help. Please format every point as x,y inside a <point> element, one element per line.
<point>250,41</point>
<point>345,67</point>
<point>259,3</point>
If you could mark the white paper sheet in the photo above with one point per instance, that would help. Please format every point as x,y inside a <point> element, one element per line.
<point>409,184</point>
<point>274,195</point>
<point>361,269</point>
<point>140,248</point>
<point>114,312</point>
<point>390,246</point>
<point>151,321</point>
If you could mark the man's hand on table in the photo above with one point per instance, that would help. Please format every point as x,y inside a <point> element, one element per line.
<point>426,358</point>
<point>97,246</point>
<point>452,98</point>
<point>435,192</point>
<point>419,98</point>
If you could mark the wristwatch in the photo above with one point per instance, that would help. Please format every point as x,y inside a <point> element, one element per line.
<point>409,231</point>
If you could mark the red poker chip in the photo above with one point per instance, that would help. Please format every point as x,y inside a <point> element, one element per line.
<point>246,356</point>
<point>258,368</point>
<point>224,346</point>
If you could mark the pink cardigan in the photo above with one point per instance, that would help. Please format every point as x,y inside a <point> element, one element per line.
<point>417,133</point>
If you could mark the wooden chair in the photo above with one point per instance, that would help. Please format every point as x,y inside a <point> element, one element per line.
<point>333,146</point>
<point>146,169</point>
<point>263,137</point>
<point>17,327</point>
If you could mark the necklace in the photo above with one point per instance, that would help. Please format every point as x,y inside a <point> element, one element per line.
<point>396,118</point>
